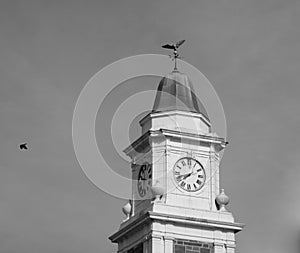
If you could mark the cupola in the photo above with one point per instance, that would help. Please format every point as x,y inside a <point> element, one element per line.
<point>176,92</point>
<point>176,107</point>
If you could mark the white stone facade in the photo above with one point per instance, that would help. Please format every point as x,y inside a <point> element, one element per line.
<point>178,214</point>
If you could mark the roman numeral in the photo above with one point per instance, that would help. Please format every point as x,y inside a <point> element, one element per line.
<point>189,162</point>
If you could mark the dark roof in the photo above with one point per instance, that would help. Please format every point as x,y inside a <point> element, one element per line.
<point>175,92</point>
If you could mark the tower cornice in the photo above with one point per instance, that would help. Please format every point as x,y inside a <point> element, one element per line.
<point>150,217</point>
<point>143,141</point>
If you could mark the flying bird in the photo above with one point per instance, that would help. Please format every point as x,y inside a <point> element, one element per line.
<point>23,146</point>
<point>174,46</point>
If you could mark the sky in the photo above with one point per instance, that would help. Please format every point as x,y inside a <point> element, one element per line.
<point>248,49</point>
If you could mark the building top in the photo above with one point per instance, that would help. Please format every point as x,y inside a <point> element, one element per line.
<point>175,92</point>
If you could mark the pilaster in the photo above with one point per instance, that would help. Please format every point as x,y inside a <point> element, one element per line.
<point>157,245</point>
<point>219,247</point>
<point>168,243</point>
<point>230,248</point>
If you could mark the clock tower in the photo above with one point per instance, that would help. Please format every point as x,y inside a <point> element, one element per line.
<point>177,204</point>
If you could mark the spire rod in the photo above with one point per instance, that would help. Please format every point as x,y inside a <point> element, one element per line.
<point>175,47</point>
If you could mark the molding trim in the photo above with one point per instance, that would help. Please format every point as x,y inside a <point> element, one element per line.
<point>144,139</point>
<point>150,216</point>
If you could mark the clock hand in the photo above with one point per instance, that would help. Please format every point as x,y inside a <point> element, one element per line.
<point>194,172</point>
<point>185,176</point>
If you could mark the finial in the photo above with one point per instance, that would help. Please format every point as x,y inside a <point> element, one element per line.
<point>157,191</point>
<point>175,55</point>
<point>222,200</point>
<point>127,210</point>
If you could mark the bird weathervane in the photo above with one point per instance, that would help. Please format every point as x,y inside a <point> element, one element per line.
<point>175,47</point>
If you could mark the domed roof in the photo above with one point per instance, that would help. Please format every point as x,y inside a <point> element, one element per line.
<point>175,92</point>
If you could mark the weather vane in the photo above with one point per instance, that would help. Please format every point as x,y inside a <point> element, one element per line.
<point>175,51</point>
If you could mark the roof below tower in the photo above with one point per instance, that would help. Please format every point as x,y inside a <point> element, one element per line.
<point>175,92</point>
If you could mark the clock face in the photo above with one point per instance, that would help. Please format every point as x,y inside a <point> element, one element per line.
<point>189,174</point>
<point>144,179</point>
